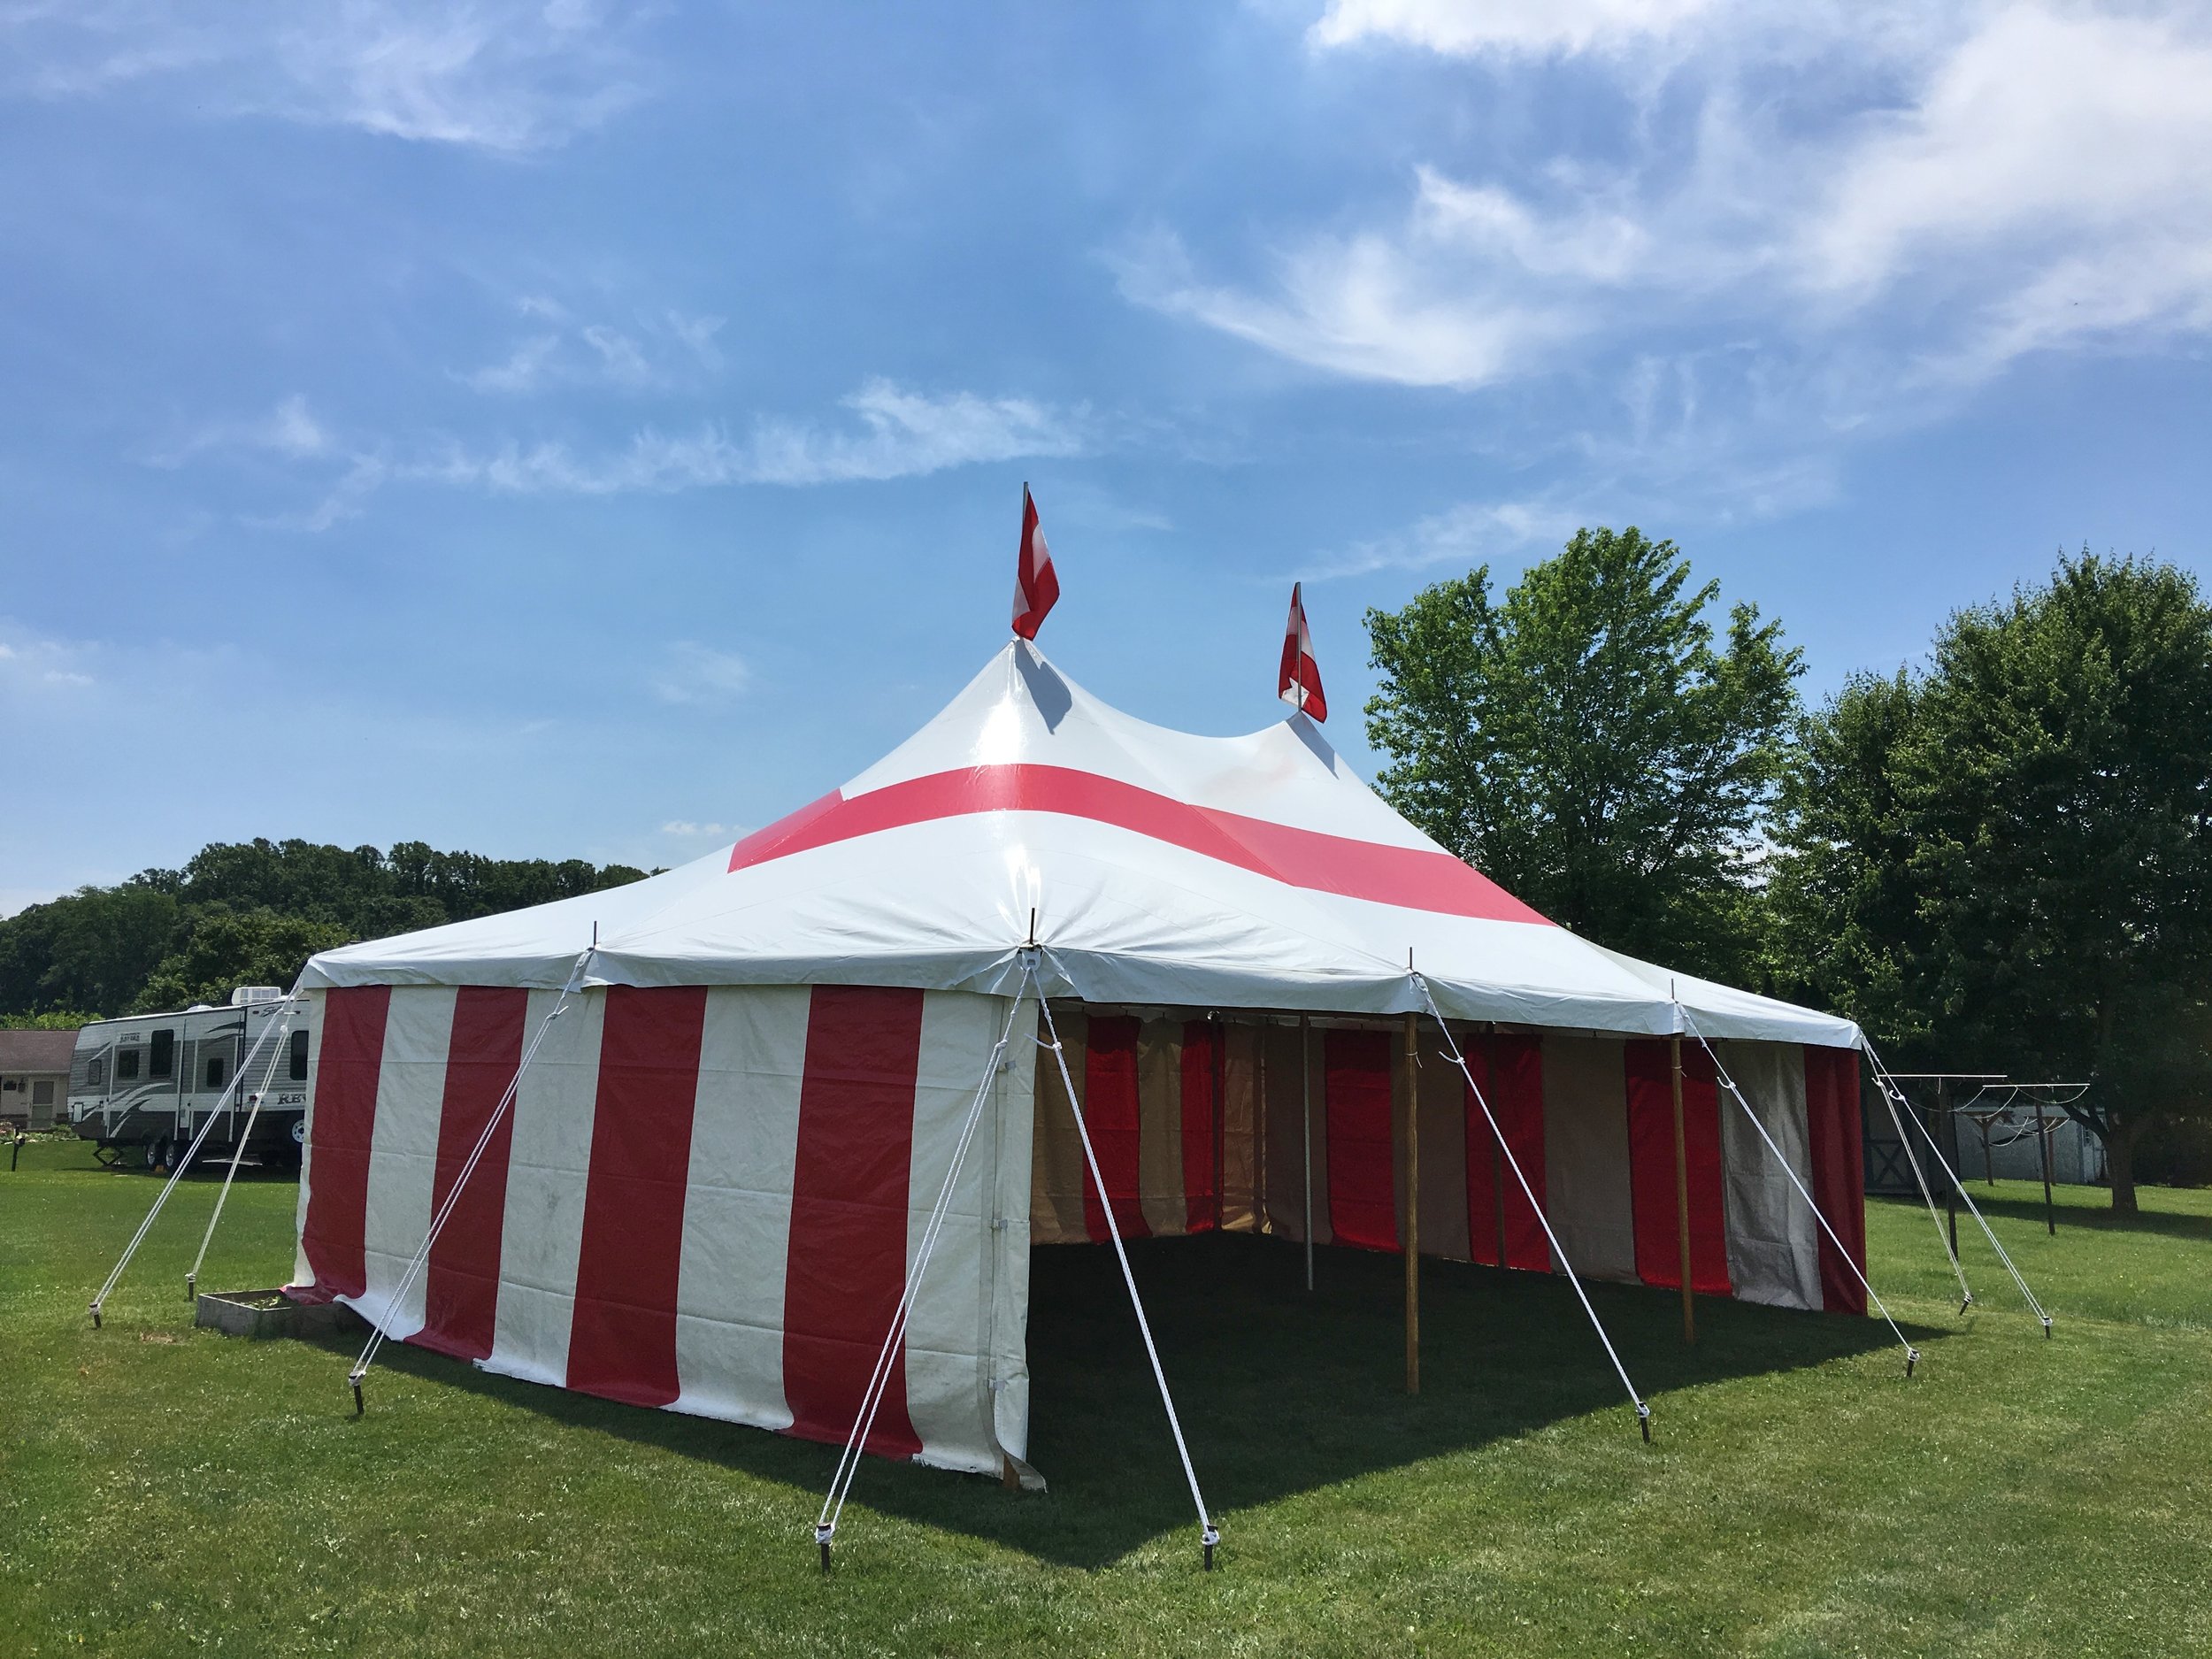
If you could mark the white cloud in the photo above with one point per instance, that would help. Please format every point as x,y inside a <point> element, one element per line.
<point>505,75</point>
<point>1467,28</point>
<point>655,354</point>
<point>1945,188</point>
<point>684,829</point>
<point>290,430</point>
<point>1366,307</point>
<point>895,434</point>
<point>690,673</point>
<point>1470,533</point>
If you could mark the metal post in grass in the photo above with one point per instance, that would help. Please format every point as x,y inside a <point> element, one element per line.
<point>2043,1146</point>
<point>1682,1200</point>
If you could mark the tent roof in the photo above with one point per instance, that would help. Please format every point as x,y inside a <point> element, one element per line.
<point>1159,867</point>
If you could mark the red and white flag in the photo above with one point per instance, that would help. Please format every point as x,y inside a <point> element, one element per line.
<point>1036,589</point>
<point>1300,686</point>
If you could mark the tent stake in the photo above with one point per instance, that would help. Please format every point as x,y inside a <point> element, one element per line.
<point>1682,1200</point>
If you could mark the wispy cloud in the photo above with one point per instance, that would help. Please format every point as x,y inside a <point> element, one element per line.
<point>892,433</point>
<point>684,829</point>
<point>290,430</point>
<point>653,353</point>
<point>690,673</point>
<point>505,75</point>
<point>1997,180</point>
<point>1468,27</point>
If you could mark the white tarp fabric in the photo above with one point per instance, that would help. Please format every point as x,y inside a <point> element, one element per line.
<point>1160,868</point>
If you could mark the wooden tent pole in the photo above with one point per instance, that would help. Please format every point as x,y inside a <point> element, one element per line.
<point>1682,1200</point>
<point>2043,1146</point>
<point>1413,1208</point>
<point>1305,1108</point>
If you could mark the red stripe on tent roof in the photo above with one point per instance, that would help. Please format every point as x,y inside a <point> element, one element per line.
<point>1413,878</point>
<point>622,1337</point>
<point>461,1290</point>
<point>1650,1068</point>
<point>850,1199</point>
<point>333,1235</point>
<point>1831,1123</point>
<point>1498,1212</point>
<point>1363,1154</point>
<point>1111,1113</point>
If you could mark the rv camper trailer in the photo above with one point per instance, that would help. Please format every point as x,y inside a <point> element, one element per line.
<point>143,1086</point>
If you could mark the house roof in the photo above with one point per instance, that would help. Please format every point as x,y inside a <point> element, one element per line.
<point>36,1050</point>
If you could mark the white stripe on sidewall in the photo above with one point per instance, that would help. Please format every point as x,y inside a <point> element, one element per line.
<point>948,1333</point>
<point>403,1150</point>
<point>1773,1241</point>
<point>549,1158</point>
<point>737,1205</point>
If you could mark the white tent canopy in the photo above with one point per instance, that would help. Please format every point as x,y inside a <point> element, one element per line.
<point>1159,868</point>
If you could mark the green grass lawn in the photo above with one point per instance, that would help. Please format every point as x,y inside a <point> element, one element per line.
<point>166,1490</point>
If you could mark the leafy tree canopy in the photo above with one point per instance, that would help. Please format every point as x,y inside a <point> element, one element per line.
<point>252,912</point>
<point>2012,852</point>
<point>1588,744</point>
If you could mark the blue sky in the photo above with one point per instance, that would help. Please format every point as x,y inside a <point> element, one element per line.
<point>555,430</point>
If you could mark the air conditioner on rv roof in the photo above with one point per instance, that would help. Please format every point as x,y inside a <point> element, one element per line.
<point>247,994</point>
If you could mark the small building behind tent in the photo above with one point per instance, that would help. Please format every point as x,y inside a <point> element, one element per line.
<point>34,1076</point>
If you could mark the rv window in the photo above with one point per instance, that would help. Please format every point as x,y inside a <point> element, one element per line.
<point>299,1056</point>
<point>126,1065</point>
<point>215,1070</point>
<point>95,1071</point>
<point>161,1058</point>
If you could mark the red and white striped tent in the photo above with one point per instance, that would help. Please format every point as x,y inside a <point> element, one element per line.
<point>720,1162</point>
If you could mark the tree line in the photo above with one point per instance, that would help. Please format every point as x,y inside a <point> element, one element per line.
<point>251,913</point>
<point>1997,859</point>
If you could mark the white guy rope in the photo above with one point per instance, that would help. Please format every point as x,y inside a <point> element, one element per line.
<point>1209,1534</point>
<point>268,1073</point>
<point>1643,1411</point>
<point>398,1298</point>
<point>879,1377</point>
<point>1943,1234</point>
<point>1912,1354</point>
<point>1889,1086</point>
<point>183,1163</point>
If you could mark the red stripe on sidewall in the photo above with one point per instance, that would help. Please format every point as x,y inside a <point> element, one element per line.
<point>1650,1077</point>
<point>1413,878</point>
<point>1839,1168</point>
<point>461,1286</point>
<point>1111,1115</point>
<point>335,1231</point>
<point>1515,1090</point>
<point>622,1337</point>
<point>850,1194</point>
<point>1362,1163</point>
<point>1202,1124</point>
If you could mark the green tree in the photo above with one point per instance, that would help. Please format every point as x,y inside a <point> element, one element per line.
<point>1587,743</point>
<point>224,950</point>
<point>2006,861</point>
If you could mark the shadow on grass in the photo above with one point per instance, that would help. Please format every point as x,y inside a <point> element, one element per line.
<point>2097,1218</point>
<point>1279,1392</point>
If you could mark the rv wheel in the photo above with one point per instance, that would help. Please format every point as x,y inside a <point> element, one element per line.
<point>158,1153</point>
